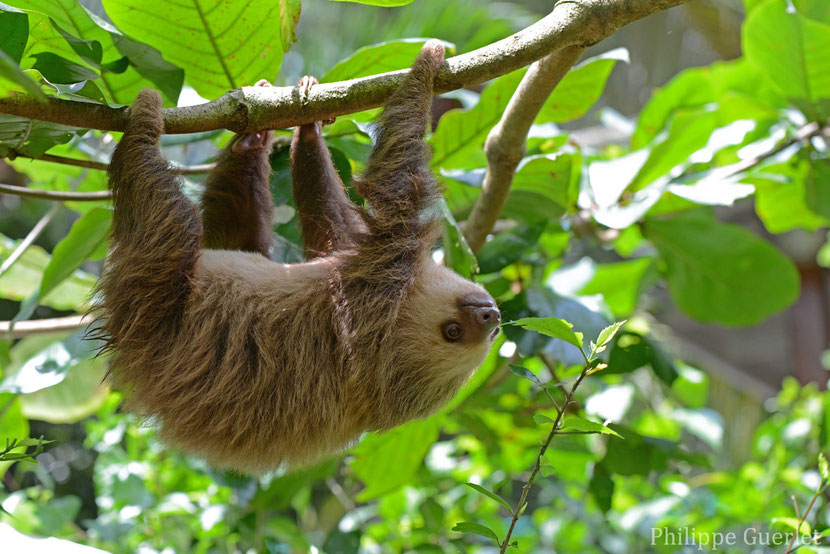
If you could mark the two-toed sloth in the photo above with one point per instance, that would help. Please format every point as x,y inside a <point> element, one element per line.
<point>250,363</point>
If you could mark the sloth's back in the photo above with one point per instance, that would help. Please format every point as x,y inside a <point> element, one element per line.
<point>255,376</point>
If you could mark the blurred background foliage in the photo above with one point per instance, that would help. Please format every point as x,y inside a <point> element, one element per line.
<point>677,178</point>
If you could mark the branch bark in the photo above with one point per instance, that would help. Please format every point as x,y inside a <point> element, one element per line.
<point>505,145</point>
<point>57,195</point>
<point>250,109</point>
<point>37,326</point>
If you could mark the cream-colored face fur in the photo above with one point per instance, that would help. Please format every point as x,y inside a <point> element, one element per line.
<point>431,305</point>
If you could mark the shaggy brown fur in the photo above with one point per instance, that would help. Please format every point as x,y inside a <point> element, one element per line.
<point>253,364</point>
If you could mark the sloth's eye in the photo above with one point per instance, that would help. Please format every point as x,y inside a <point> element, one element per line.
<point>453,331</point>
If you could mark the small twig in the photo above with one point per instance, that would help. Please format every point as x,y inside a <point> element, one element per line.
<point>802,518</point>
<point>34,233</point>
<point>806,132</point>
<point>58,195</point>
<point>517,512</point>
<point>89,164</point>
<point>37,326</point>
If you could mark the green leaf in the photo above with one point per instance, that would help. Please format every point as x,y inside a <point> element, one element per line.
<point>14,32</point>
<point>376,58</point>
<point>220,45</point>
<point>580,88</point>
<point>542,419</point>
<point>39,136</point>
<point>551,327</point>
<point>818,187</point>
<point>13,425</point>
<point>699,86</point>
<point>457,253</point>
<point>24,277</point>
<point>60,70</point>
<point>823,468</point>
<point>86,234</point>
<point>580,424</point>
<point>385,461</point>
<point>459,139</point>
<point>601,488</point>
<point>781,197</point>
<point>382,3</point>
<point>722,273</point>
<point>607,334</point>
<point>80,394</point>
<point>525,373</point>
<point>289,16</point>
<point>541,188</point>
<point>508,247</point>
<point>476,528</point>
<point>801,71</point>
<point>491,494</point>
<point>632,351</point>
<point>10,71</point>
<point>792,523</point>
<point>42,361</point>
<point>150,64</point>
<point>620,284</point>
<point>90,51</point>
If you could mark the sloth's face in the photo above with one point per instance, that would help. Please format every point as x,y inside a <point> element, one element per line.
<point>455,321</point>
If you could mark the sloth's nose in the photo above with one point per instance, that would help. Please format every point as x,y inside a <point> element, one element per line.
<point>487,317</point>
<point>483,309</point>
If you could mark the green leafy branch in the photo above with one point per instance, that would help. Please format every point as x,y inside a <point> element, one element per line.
<point>560,329</point>
<point>6,455</point>
<point>800,522</point>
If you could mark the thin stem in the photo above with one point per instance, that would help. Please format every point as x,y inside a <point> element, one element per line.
<point>553,432</point>
<point>58,195</point>
<point>34,233</point>
<point>100,166</point>
<point>804,517</point>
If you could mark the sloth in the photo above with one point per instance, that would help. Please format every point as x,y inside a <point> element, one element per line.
<point>255,365</point>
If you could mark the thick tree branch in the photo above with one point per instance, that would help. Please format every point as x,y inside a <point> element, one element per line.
<point>572,23</point>
<point>505,145</point>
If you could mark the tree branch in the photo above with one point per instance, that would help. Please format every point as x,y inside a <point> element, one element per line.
<point>58,195</point>
<point>37,326</point>
<point>505,145</point>
<point>89,164</point>
<point>249,109</point>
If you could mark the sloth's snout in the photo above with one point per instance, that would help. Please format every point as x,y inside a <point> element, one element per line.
<point>483,310</point>
<point>487,317</point>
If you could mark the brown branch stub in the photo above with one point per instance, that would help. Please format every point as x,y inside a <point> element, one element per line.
<point>505,145</point>
<point>249,109</point>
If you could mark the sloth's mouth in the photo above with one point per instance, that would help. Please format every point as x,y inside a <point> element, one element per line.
<point>495,332</point>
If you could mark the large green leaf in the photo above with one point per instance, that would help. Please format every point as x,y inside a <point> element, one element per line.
<point>722,273</point>
<point>23,278</point>
<point>376,58</point>
<point>697,87</point>
<point>580,88</point>
<point>541,188</point>
<point>459,138</point>
<point>72,18</point>
<point>780,198</point>
<point>85,236</point>
<point>220,45</point>
<point>791,50</point>
<point>78,396</point>
<point>14,32</point>
<point>385,461</point>
<point>13,425</point>
<point>620,284</point>
<point>383,3</point>
<point>36,136</point>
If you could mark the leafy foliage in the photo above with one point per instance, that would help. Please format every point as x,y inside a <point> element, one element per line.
<point>589,235</point>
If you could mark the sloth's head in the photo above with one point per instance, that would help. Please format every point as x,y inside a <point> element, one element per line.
<point>453,319</point>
